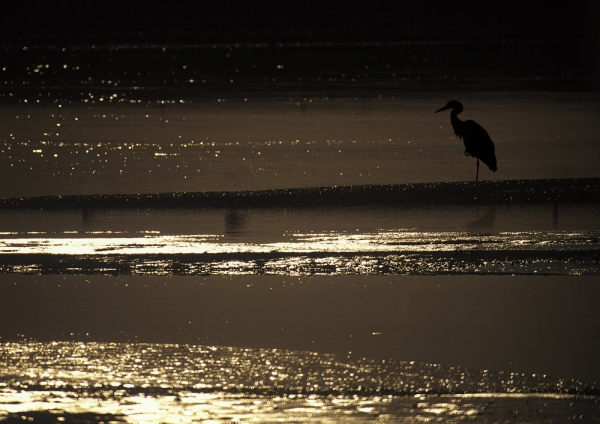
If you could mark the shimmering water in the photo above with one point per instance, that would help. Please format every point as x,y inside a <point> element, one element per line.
<point>77,149</point>
<point>544,253</point>
<point>142,118</point>
<point>149,382</point>
<point>330,313</point>
<point>446,239</point>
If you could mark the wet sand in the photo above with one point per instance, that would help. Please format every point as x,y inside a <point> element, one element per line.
<point>569,190</point>
<point>529,324</point>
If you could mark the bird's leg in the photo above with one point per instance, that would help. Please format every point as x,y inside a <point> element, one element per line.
<point>477,175</point>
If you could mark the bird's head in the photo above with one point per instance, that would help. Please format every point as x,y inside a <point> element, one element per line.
<point>452,104</point>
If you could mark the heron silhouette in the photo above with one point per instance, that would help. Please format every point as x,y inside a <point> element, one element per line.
<point>477,141</point>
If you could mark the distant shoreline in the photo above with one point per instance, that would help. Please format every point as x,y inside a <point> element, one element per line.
<point>563,190</point>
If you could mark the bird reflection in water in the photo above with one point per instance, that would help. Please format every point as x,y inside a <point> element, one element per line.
<point>235,222</point>
<point>477,141</point>
<point>485,221</point>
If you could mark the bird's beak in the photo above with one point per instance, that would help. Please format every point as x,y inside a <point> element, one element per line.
<point>444,108</point>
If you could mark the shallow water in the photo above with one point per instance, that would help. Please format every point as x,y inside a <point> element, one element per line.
<point>559,239</point>
<point>149,382</point>
<point>80,149</point>
<point>531,324</point>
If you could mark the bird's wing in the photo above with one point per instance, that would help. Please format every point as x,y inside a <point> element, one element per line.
<point>477,140</point>
<point>479,144</point>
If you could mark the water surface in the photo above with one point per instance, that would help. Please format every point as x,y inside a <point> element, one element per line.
<point>476,310</point>
<point>106,149</point>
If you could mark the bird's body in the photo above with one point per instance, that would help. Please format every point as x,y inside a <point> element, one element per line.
<point>477,141</point>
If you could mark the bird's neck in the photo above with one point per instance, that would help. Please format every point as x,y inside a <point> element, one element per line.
<point>457,124</point>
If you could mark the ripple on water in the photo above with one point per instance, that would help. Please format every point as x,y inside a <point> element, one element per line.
<point>332,253</point>
<point>118,382</point>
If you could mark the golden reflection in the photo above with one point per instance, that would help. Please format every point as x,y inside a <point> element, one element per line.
<point>384,241</point>
<point>332,253</point>
<point>165,382</point>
